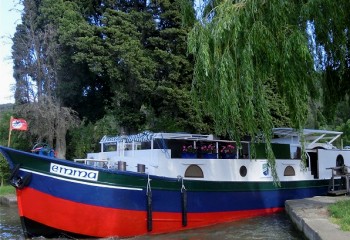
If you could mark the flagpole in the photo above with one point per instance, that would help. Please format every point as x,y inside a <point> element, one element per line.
<point>10,130</point>
<point>8,144</point>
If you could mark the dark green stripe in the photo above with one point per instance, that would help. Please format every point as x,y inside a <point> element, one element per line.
<point>135,180</point>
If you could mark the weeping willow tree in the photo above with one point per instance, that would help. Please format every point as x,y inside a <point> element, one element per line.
<point>245,51</point>
<point>329,22</point>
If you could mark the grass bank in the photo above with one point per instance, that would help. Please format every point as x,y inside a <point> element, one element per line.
<point>7,189</point>
<point>340,214</point>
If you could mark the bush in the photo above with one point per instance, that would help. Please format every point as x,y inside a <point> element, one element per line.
<point>4,170</point>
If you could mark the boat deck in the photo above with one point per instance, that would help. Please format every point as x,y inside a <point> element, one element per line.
<point>343,187</point>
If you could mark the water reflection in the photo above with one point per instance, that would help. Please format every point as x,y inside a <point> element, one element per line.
<point>275,226</point>
<point>9,223</point>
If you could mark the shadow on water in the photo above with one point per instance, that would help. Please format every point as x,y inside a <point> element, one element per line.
<point>274,226</point>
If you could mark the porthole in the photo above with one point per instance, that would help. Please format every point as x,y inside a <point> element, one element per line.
<point>194,171</point>
<point>243,171</point>
<point>289,171</point>
<point>339,161</point>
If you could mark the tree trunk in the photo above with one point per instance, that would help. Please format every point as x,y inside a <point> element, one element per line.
<point>61,145</point>
<point>61,131</point>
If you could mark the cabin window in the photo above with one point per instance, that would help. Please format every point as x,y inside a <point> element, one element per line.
<point>289,171</point>
<point>281,151</point>
<point>194,171</point>
<point>243,171</point>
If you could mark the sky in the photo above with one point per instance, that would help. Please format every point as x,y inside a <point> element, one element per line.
<point>10,16</point>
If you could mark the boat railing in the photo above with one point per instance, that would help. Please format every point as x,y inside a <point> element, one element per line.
<point>340,187</point>
<point>92,162</point>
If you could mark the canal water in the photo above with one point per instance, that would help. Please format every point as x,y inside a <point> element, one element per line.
<point>270,227</point>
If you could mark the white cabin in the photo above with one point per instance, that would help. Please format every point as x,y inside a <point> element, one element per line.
<point>161,154</point>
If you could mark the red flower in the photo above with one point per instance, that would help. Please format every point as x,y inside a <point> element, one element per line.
<point>189,149</point>
<point>208,148</point>
<point>228,149</point>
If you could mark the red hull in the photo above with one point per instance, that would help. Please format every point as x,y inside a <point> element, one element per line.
<point>98,221</point>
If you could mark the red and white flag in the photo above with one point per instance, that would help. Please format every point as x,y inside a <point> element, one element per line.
<point>18,124</point>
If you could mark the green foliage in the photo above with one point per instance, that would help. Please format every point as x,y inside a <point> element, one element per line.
<point>245,51</point>
<point>4,126</point>
<point>340,214</point>
<point>345,128</point>
<point>79,88</point>
<point>6,189</point>
<point>329,22</point>
<point>133,56</point>
<point>105,58</point>
<point>85,138</point>
<point>18,140</point>
<point>113,52</point>
<point>4,170</point>
<point>4,133</point>
<point>82,140</point>
<point>6,107</point>
<point>187,13</point>
<point>128,61</point>
<point>170,102</point>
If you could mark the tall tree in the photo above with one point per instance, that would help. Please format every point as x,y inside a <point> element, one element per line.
<point>113,52</point>
<point>241,48</point>
<point>81,87</point>
<point>138,49</point>
<point>328,25</point>
<point>35,53</point>
<point>49,122</point>
<point>170,99</point>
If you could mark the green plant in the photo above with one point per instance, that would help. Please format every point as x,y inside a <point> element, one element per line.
<point>340,214</point>
<point>4,170</point>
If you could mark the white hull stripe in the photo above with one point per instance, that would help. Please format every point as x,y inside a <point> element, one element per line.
<point>81,182</point>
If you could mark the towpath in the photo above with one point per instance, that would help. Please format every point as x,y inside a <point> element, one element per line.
<point>311,216</point>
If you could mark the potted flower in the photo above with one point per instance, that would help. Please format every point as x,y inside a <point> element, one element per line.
<point>228,151</point>
<point>208,151</point>
<point>189,151</point>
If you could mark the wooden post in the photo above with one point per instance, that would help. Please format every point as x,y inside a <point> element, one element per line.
<point>10,130</point>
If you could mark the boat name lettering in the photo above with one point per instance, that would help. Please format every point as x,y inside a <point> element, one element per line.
<point>74,172</point>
